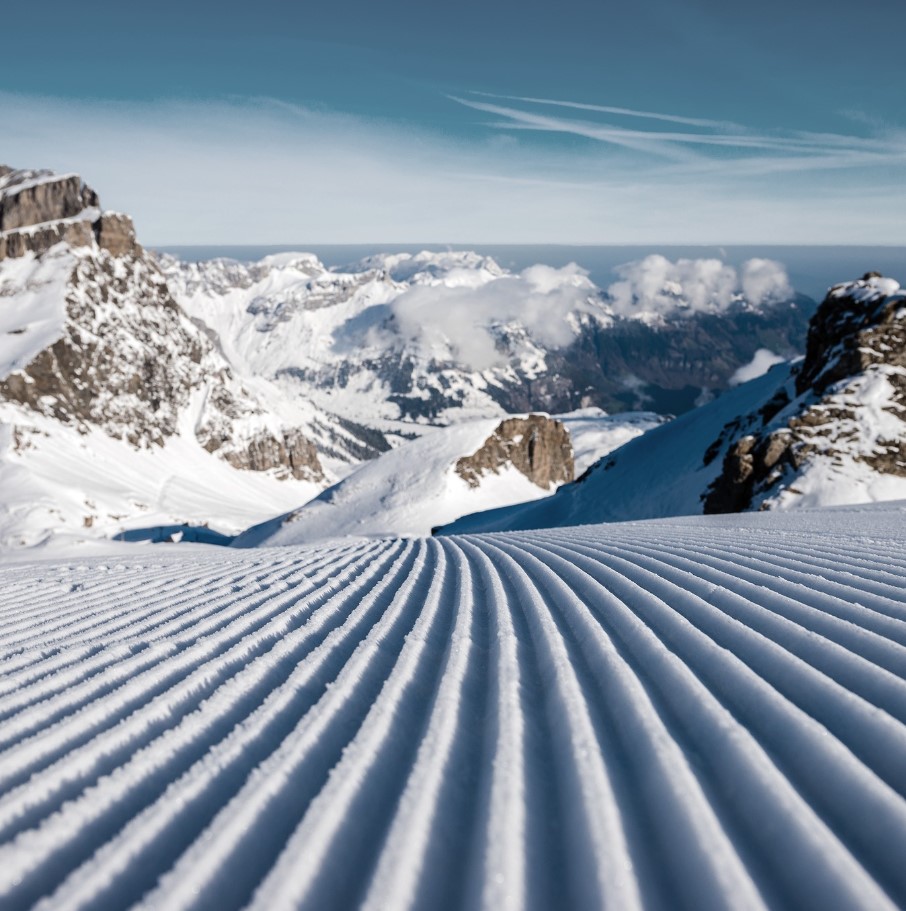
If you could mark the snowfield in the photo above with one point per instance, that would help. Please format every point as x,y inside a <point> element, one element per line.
<point>692,713</point>
<point>408,491</point>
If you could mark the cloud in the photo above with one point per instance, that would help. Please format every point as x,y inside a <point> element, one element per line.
<point>622,112</point>
<point>729,147</point>
<point>458,319</point>
<point>659,286</point>
<point>261,171</point>
<point>764,280</point>
<point>761,362</point>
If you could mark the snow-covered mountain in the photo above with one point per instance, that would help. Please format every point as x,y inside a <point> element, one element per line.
<point>112,399</point>
<point>441,337</point>
<point>828,429</point>
<point>836,433</point>
<point>451,471</point>
<point>138,392</point>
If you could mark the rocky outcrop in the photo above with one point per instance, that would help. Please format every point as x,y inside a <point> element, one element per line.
<point>290,454</point>
<point>859,325</point>
<point>287,452</point>
<point>538,446</point>
<point>39,209</point>
<point>847,402</point>
<point>126,361</point>
<point>34,197</point>
<point>115,233</point>
<point>41,238</point>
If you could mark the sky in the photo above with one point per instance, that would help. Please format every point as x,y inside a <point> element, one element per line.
<point>586,121</point>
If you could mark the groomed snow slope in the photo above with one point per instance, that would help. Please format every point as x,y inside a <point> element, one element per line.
<point>689,714</point>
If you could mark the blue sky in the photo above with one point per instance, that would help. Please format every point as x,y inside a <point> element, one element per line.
<point>692,121</point>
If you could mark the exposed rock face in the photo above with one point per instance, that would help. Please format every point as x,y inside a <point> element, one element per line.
<point>291,454</point>
<point>34,197</point>
<point>125,361</point>
<point>39,209</point>
<point>115,233</point>
<point>847,402</point>
<point>857,326</point>
<point>538,446</point>
<point>41,238</point>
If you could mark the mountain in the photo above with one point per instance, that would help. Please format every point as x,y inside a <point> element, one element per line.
<point>825,430</point>
<point>837,433</point>
<point>112,398</point>
<point>434,338</point>
<point>140,393</point>
<point>451,471</point>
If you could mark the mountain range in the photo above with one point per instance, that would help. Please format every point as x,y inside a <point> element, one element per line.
<point>827,429</point>
<point>142,396</point>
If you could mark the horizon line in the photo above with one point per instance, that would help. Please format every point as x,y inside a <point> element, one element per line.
<point>503,243</point>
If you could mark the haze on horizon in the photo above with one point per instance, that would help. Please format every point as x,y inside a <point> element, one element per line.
<point>667,122</point>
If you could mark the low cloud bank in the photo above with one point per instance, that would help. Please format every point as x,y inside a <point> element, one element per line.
<point>455,317</point>
<point>761,362</point>
<point>460,318</point>
<point>657,285</point>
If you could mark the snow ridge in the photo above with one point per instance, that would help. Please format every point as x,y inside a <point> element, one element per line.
<point>659,715</point>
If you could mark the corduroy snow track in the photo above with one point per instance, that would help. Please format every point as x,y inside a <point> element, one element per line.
<point>620,717</point>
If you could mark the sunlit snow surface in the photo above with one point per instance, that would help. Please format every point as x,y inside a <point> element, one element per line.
<point>690,713</point>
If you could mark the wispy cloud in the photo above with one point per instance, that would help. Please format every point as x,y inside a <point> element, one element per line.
<point>731,147</point>
<point>623,112</point>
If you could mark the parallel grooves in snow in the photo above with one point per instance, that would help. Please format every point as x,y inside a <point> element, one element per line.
<point>640,716</point>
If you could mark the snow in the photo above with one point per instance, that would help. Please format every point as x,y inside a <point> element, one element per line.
<point>696,712</point>
<point>404,492</point>
<point>347,341</point>
<point>32,305</point>
<point>668,471</point>
<point>661,473</point>
<point>869,289</point>
<point>836,474</point>
<point>594,433</point>
<point>415,488</point>
<point>56,479</point>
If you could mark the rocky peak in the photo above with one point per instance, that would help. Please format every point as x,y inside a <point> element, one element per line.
<point>858,324</point>
<point>39,209</point>
<point>29,198</point>
<point>843,412</point>
<point>538,446</point>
